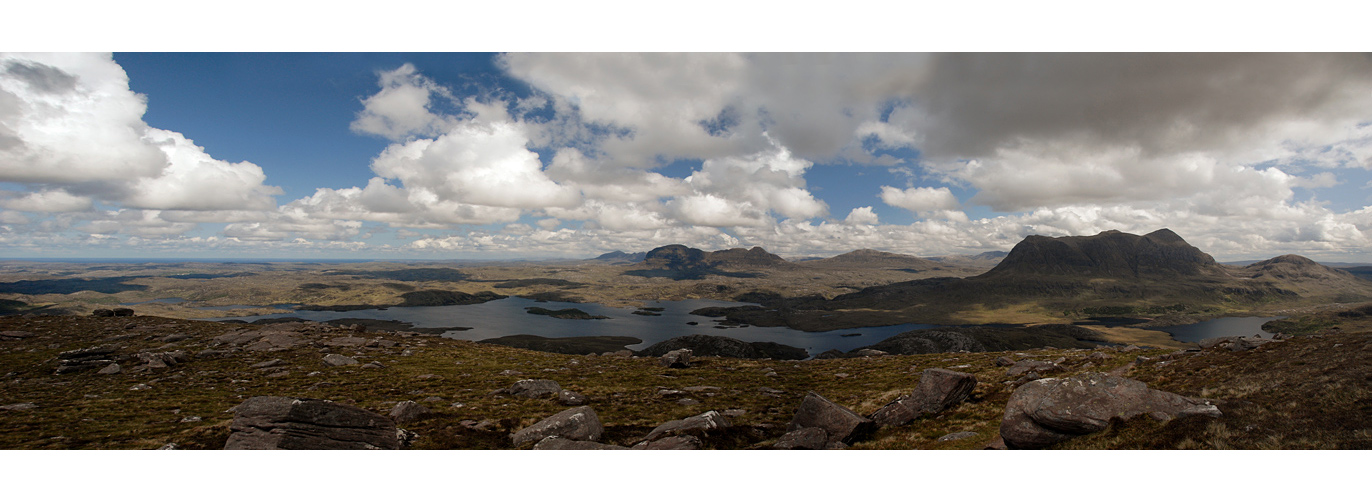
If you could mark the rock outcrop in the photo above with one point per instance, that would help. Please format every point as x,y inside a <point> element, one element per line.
<point>679,358</point>
<point>280,423</point>
<point>577,424</point>
<point>1051,410</point>
<point>841,424</point>
<point>938,390</point>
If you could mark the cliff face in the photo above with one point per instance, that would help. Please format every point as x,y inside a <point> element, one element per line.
<point>1113,254</point>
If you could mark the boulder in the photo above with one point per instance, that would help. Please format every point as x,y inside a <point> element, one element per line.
<point>672,443</point>
<point>102,313</point>
<point>1051,410</point>
<point>680,358</point>
<point>338,360</point>
<point>122,311</point>
<point>808,438</point>
<point>111,369</point>
<point>570,398</point>
<point>534,389</point>
<point>1032,365</point>
<point>408,411</point>
<point>279,423</point>
<point>1246,343</point>
<point>561,443</point>
<point>578,424</point>
<point>699,425</point>
<point>939,389</point>
<point>840,423</point>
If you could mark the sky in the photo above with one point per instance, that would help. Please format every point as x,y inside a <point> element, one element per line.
<point>536,155</point>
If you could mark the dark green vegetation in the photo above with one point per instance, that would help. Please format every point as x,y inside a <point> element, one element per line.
<point>569,313</point>
<point>72,285</point>
<point>566,345</point>
<point>1309,392</point>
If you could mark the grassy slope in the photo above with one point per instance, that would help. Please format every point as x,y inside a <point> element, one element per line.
<point>1304,393</point>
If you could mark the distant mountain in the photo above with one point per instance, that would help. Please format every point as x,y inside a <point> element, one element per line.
<point>683,262</point>
<point>873,259</point>
<point>1109,254</point>
<point>983,260</point>
<point>618,257</point>
<point>1123,273</point>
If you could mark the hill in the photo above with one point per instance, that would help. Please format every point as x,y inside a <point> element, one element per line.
<point>981,260</point>
<point>680,262</point>
<point>874,259</point>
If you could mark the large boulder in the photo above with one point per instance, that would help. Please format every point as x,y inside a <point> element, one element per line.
<point>534,389</point>
<point>561,443</point>
<point>408,411</point>
<point>279,423</point>
<point>938,390</point>
<point>840,423</point>
<point>808,438</point>
<point>1048,411</point>
<point>699,425</point>
<point>680,358</point>
<point>578,424</point>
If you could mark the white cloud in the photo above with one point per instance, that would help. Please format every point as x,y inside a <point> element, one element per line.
<point>920,199</point>
<point>401,108</point>
<point>55,200</point>
<point>861,216</point>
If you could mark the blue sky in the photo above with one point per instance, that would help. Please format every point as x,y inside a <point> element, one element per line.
<point>480,155</point>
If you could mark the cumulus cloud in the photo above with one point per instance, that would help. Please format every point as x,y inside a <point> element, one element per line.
<point>402,107</point>
<point>71,129</point>
<point>861,215</point>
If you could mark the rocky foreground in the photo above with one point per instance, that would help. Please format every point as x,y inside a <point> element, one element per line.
<point>148,382</point>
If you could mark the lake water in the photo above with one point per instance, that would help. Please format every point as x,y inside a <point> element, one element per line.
<point>499,318</point>
<point>1219,327</point>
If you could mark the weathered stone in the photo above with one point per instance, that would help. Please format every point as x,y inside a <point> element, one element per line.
<point>534,389</point>
<point>16,335</point>
<point>570,398</point>
<point>808,438</point>
<point>1004,361</point>
<point>579,424</point>
<point>345,342</point>
<point>374,365</point>
<point>561,443</point>
<point>111,369</point>
<point>272,423</point>
<point>408,411</point>
<point>671,443</point>
<point>841,423</point>
<point>19,407</point>
<point>699,425</point>
<point>268,364</point>
<point>680,358</point>
<point>687,402</point>
<point>1032,365</point>
<point>939,389</point>
<point>338,360</point>
<point>1246,343</point>
<point>1048,411</point>
<point>87,353</point>
<point>958,436</point>
<point>869,352</point>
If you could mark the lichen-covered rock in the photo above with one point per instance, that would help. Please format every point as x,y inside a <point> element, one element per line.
<point>534,389</point>
<point>280,423</point>
<point>408,411</point>
<point>1032,365</point>
<point>840,423</point>
<point>672,443</point>
<point>338,360</point>
<point>680,358</point>
<point>699,425</point>
<point>1052,410</point>
<point>939,389</point>
<point>578,424</point>
<point>570,398</point>
<point>808,438</point>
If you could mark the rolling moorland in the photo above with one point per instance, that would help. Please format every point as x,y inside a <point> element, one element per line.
<point>160,378</point>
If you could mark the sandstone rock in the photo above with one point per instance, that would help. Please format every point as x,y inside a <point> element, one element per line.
<point>840,423</point>
<point>374,365</point>
<point>687,402</point>
<point>939,389</point>
<point>1004,361</point>
<point>680,358</point>
<point>111,369</point>
<point>345,342</point>
<point>570,398</point>
<point>408,411</point>
<point>534,389</point>
<point>1048,411</point>
<point>957,436</point>
<point>699,425</point>
<point>1247,343</point>
<point>279,423</point>
<point>869,352</point>
<point>1032,365</point>
<point>579,424</point>
<point>808,438</point>
<point>338,360</point>
<point>671,443</point>
<point>561,443</point>
<point>268,364</point>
